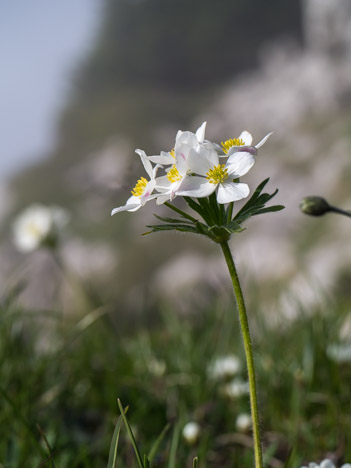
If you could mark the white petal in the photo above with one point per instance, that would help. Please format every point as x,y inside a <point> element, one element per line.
<point>182,154</point>
<point>200,162</point>
<point>200,132</point>
<point>147,192</point>
<point>187,138</point>
<point>154,171</point>
<point>229,191</point>
<point>163,158</point>
<point>246,137</point>
<point>240,163</point>
<point>132,204</point>
<point>144,159</point>
<point>197,187</point>
<point>162,183</point>
<point>346,465</point>
<point>162,199</point>
<point>263,141</point>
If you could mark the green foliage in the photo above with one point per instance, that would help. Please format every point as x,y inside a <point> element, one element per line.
<point>219,224</point>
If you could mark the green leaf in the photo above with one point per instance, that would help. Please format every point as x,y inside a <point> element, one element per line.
<point>200,208</point>
<point>114,442</point>
<point>269,209</point>
<point>157,443</point>
<point>131,435</point>
<point>173,220</point>
<point>234,226</point>
<point>171,227</point>
<point>256,204</point>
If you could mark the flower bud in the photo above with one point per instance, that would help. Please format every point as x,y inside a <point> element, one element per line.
<point>314,206</point>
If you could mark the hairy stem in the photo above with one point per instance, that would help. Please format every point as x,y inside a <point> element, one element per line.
<point>248,352</point>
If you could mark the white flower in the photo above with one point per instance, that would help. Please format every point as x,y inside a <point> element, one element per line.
<point>36,225</point>
<point>339,353</point>
<point>224,367</point>
<point>169,184</point>
<point>235,389</point>
<point>156,367</point>
<point>243,143</point>
<point>191,140</point>
<point>191,432</point>
<point>213,176</point>
<point>142,192</point>
<point>243,422</point>
<point>325,464</point>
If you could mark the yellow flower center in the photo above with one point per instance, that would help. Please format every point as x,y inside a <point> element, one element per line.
<point>218,174</point>
<point>226,145</point>
<point>173,174</point>
<point>139,188</point>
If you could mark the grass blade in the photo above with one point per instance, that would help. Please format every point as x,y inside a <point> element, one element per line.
<point>174,445</point>
<point>114,442</point>
<point>196,462</point>
<point>131,435</point>
<point>46,442</point>
<point>158,441</point>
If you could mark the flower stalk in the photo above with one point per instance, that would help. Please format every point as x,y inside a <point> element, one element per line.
<point>244,324</point>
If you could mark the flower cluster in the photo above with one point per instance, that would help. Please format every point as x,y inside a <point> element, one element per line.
<point>195,168</point>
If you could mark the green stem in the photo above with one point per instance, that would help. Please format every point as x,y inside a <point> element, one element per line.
<point>230,212</point>
<point>181,212</point>
<point>248,352</point>
<point>334,209</point>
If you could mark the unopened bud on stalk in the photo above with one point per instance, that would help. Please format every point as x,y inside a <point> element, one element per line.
<point>315,206</point>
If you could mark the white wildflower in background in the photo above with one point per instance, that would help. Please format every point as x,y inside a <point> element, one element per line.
<point>156,367</point>
<point>235,389</point>
<point>38,225</point>
<point>191,432</point>
<point>325,464</point>
<point>243,422</point>
<point>224,367</point>
<point>340,352</point>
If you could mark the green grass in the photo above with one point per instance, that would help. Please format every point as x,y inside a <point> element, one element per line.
<point>59,401</point>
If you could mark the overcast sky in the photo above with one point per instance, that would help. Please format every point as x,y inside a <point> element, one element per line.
<point>41,43</point>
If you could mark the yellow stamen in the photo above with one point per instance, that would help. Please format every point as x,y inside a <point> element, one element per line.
<point>226,145</point>
<point>173,174</point>
<point>172,153</point>
<point>139,188</point>
<point>218,174</point>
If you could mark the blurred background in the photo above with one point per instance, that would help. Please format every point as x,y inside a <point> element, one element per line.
<point>84,83</point>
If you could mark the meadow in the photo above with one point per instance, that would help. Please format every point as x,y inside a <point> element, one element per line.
<point>68,395</point>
